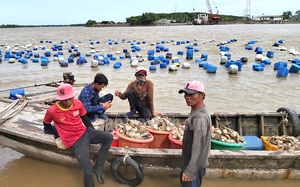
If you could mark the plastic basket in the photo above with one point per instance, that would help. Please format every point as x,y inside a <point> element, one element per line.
<point>161,139</point>
<point>215,144</point>
<point>134,143</point>
<point>267,145</point>
<point>175,144</point>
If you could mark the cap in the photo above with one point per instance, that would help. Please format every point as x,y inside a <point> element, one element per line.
<point>193,87</point>
<point>65,91</point>
<point>140,71</point>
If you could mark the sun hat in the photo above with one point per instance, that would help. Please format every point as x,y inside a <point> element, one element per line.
<point>65,91</point>
<point>140,71</point>
<point>193,87</point>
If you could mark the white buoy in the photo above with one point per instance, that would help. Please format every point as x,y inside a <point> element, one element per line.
<point>233,69</point>
<point>172,68</point>
<point>223,59</point>
<point>134,63</point>
<point>186,65</point>
<point>94,63</point>
<point>100,58</point>
<point>258,57</point>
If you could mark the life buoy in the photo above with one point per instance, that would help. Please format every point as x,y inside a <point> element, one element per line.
<point>295,119</point>
<point>130,162</point>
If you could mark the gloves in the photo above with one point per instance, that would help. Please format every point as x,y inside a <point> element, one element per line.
<point>59,143</point>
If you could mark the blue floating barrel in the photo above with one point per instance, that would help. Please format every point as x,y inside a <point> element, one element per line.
<point>117,65</point>
<point>296,61</point>
<point>249,47</point>
<point>294,68</point>
<point>100,63</point>
<point>122,57</point>
<point>196,49</point>
<point>282,72</point>
<point>180,53</point>
<point>276,44</point>
<point>166,61</point>
<point>259,50</point>
<point>36,55</point>
<point>35,60</point>
<point>106,60</point>
<point>270,54</point>
<point>211,68</point>
<point>203,64</point>
<point>266,62</point>
<point>70,59</point>
<point>14,92</point>
<point>204,56</point>
<point>163,65</point>
<point>64,64</point>
<point>281,41</point>
<point>228,56</point>
<point>175,60</point>
<point>151,57</point>
<point>23,61</point>
<point>152,68</point>
<point>47,53</point>
<point>189,54</point>
<point>258,68</point>
<point>113,58</point>
<point>277,65</point>
<point>166,49</point>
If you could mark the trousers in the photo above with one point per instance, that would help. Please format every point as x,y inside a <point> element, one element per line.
<point>81,149</point>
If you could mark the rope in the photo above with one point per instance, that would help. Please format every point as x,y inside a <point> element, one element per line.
<point>126,155</point>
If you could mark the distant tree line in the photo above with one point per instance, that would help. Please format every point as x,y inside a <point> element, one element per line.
<point>149,18</point>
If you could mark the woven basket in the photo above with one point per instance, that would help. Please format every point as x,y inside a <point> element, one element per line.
<point>161,140</point>
<point>175,144</point>
<point>134,143</point>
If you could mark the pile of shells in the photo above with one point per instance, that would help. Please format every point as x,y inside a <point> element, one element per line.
<point>226,134</point>
<point>160,123</point>
<point>177,133</point>
<point>134,129</point>
<point>288,143</point>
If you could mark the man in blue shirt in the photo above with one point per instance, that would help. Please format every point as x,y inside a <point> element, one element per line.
<point>93,103</point>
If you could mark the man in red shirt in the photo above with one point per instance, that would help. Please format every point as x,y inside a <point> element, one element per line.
<point>77,133</point>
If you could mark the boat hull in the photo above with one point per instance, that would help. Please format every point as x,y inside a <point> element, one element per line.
<point>24,133</point>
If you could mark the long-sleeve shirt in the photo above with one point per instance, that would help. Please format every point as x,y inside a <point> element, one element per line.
<point>86,96</point>
<point>196,142</point>
<point>144,92</point>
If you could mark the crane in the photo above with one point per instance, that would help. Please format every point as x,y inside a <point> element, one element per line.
<point>214,18</point>
<point>204,19</point>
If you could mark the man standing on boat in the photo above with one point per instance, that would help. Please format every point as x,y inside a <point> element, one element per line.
<point>93,103</point>
<point>69,115</point>
<point>197,136</point>
<point>140,95</point>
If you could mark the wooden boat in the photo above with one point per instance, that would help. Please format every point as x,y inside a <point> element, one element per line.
<point>21,129</point>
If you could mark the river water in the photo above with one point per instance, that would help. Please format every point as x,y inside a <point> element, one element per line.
<point>246,91</point>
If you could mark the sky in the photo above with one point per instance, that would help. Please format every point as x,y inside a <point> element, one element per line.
<point>65,12</point>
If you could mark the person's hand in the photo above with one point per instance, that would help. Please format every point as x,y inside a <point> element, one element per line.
<point>106,105</point>
<point>59,143</point>
<point>185,178</point>
<point>155,114</point>
<point>118,93</point>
